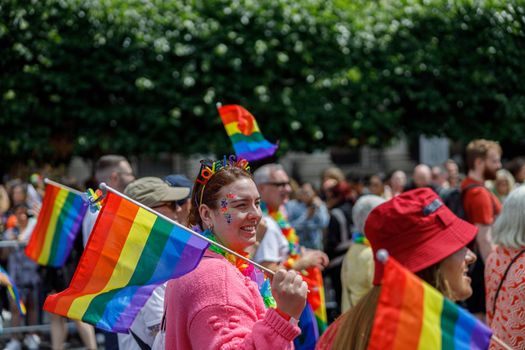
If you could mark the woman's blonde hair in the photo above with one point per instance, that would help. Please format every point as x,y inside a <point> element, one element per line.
<point>356,324</point>
<point>509,228</point>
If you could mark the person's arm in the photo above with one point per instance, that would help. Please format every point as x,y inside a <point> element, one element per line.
<point>323,216</point>
<point>238,327</point>
<point>308,258</point>
<point>484,240</point>
<point>4,200</point>
<point>298,214</point>
<point>346,302</point>
<point>315,217</point>
<point>229,327</point>
<point>480,211</point>
<point>311,258</point>
<point>153,310</point>
<point>272,265</point>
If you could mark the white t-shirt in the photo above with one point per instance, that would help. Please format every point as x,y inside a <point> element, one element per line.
<point>147,322</point>
<point>274,246</point>
<point>87,225</point>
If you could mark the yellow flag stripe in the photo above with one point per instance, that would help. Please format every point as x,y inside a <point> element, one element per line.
<point>60,201</point>
<point>233,128</point>
<point>126,264</point>
<point>431,331</point>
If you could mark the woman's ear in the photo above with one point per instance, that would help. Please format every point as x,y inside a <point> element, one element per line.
<point>205,213</point>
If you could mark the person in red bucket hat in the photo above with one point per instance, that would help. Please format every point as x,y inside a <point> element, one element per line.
<point>421,233</point>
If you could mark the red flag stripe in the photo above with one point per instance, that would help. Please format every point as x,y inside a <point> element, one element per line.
<point>34,247</point>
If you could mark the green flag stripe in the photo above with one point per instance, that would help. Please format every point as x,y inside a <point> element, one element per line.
<point>256,136</point>
<point>145,268</point>
<point>449,317</point>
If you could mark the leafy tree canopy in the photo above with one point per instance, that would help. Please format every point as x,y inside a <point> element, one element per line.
<point>90,77</point>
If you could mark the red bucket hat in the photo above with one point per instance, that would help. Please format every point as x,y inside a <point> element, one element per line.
<point>417,229</point>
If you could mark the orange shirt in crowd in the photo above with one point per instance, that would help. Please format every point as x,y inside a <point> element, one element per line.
<point>481,205</point>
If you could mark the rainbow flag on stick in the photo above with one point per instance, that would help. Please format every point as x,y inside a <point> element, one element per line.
<point>412,315</point>
<point>246,137</point>
<point>316,297</point>
<point>129,253</point>
<point>6,280</point>
<point>57,226</point>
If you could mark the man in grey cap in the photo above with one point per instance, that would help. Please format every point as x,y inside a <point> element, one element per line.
<point>158,195</point>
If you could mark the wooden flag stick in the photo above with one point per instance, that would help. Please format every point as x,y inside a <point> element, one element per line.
<point>51,182</point>
<point>103,187</point>
<point>500,343</point>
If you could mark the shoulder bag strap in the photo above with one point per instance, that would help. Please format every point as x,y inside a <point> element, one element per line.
<point>142,344</point>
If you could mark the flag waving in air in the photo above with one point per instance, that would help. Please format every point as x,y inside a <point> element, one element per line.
<point>247,139</point>
<point>129,253</point>
<point>6,280</point>
<point>57,226</point>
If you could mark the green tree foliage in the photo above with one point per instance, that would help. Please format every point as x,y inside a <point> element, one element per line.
<point>130,76</point>
<point>451,68</point>
<point>145,76</point>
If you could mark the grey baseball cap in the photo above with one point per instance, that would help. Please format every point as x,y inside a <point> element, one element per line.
<point>152,191</point>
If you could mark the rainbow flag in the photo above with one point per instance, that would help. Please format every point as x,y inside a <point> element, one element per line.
<point>316,298</point>
<point>6,280</point>
<point>57,226</point>
<point>246,137</point>
<point>412,315</point>
<point>129,253</point>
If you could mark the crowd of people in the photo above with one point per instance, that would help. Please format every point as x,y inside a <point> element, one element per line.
<point>290,227</point>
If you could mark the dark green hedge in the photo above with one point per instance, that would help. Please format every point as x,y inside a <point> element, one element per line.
<point>89,77</point>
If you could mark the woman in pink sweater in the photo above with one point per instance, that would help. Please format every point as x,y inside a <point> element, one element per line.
<point>225,303</point>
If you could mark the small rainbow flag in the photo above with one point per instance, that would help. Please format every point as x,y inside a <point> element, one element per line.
<point>246,137</point>
<point>313,320</point>
<point>412,315</point>
<point>316,298</point>
<point>57,226</point>
<point>6,280</point>
<point>129,253</point>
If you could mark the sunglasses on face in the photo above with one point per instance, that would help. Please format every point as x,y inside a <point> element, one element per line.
<point>279,184</point>
<point>181,202</point>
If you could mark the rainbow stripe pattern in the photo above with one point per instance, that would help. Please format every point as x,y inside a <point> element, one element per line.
<point>246,137</point>
<point>57,226</point>
<point>6,280</point>
<point>311,327</point>
<point>129,253</point>
<point>412,315</point>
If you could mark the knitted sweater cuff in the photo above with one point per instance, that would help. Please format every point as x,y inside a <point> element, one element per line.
<point>286,329</point>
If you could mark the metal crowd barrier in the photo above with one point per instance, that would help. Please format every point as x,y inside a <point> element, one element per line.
<point>10,244</point>
<point>44,328</point>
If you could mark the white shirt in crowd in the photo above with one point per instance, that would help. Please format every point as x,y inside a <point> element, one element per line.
<point>147,323</point>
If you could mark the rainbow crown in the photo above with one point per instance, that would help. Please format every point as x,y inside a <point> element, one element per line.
<point>210,168</point>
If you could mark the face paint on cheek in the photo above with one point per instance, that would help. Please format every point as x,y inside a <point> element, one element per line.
<point>224,205</point>
<point>225,208</point>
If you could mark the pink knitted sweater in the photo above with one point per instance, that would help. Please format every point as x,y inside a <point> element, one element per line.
<point>216,307</point>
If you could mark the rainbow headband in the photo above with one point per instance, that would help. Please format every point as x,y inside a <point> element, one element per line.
<point>210,168</point>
